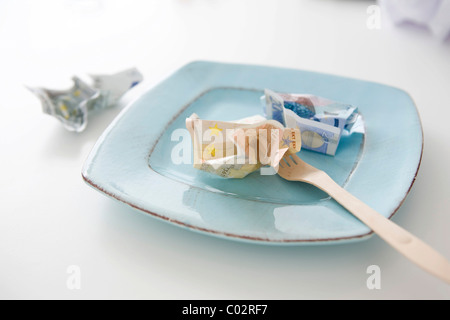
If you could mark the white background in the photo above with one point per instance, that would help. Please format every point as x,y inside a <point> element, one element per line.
<point>50,219</point>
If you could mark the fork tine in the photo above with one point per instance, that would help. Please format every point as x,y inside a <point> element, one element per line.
<point>296,158</point>
<point>289,161</point>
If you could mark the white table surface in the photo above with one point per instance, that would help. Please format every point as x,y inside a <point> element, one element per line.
<point>50,219</point>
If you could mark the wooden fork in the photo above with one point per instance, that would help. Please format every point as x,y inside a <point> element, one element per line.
<point>410,246</point>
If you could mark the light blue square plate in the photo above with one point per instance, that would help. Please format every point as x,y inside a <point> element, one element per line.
<point>131,161</point>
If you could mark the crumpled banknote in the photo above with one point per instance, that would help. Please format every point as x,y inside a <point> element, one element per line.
<point>94,92</point>
<point>321,121</point>
<point>235,149</point>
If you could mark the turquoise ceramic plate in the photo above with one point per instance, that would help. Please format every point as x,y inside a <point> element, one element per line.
<point>131,162</point>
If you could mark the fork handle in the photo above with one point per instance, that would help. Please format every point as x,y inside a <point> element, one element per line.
<point>409,245</point>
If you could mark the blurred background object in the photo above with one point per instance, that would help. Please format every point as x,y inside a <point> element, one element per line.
<point>431,14</point>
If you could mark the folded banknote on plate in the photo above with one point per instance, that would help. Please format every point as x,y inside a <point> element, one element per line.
<point>321,121</point>
<point>235,149</point>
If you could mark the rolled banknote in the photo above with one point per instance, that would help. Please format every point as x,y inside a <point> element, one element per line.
<point>71,106</point>
<point>235,149</point>
<point>321,121</point>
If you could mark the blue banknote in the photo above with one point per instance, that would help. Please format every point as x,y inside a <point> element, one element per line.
<point>320,121</point>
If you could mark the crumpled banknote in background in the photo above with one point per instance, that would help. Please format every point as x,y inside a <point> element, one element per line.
<point>321,121</point>
<point>93,92</point>
<point>238,148</point>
